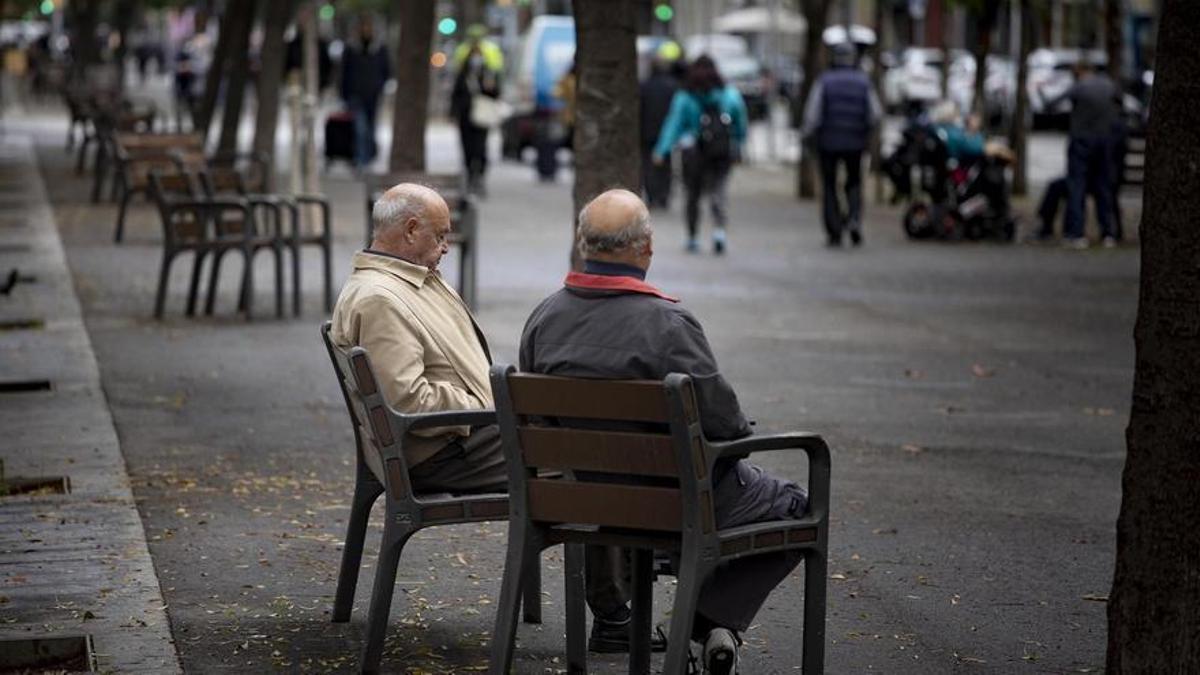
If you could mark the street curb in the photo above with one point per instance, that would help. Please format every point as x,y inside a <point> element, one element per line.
<point>74,563</point>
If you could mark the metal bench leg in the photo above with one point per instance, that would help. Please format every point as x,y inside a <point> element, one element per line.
<point>164,274</point>
<point>194,285</point>
<point>523,547</point>
<point>120,233</point>
<point>277,249</point>
<point>213,276</point>
<point>575,604</point>
<point>327,252</point>
<point>246,303</point>
<point>687,597</point>
<point>394,538</point>
<point>814,611</point>
<point>366,491</point>
<point>531,602</point>
<point>643,599</point>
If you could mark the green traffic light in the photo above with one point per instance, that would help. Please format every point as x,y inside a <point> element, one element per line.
<point>447,26</point>
<point>47,7</point>
<point>663,12</point>
<point>326,12</point>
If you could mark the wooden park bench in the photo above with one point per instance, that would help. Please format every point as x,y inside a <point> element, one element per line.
<point>464,218</point>
<point>381,469</point>
<point>136,156</point>
<point>657,495</point>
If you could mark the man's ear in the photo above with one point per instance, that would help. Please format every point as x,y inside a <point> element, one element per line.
<point>412,227</point>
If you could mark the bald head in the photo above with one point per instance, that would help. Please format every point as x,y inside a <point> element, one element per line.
<point>615,227</point>
<point>411,221</point>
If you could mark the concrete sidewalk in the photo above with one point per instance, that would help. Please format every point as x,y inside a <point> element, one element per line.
<point>74,563</point>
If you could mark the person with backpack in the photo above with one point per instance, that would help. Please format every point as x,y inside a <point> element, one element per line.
<point>841,112</point>
<point>707,120</point>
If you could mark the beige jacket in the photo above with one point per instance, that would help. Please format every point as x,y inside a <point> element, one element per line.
<point>425,347</point>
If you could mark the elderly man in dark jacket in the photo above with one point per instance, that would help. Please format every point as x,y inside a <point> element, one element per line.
<point>607,322</point>
<point>841,111</point>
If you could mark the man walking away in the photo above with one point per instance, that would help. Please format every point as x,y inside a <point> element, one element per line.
<point>842,110</point>
<point>1094,99</point>
<point>365,69</point>
<point>656,93</point>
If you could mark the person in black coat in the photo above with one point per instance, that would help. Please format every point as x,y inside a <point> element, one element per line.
<point>474,78</point>
<point>656,93</point>
<point>365,69</point>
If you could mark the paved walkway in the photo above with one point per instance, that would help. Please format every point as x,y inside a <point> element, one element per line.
<point>74,563</point>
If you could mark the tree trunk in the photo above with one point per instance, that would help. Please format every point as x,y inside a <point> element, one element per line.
<point>123,20</point>
<point>412,85</point>
<point>816,13</point>
<point>216,72</point>
<point>877,85</point>
<point>1019,134</point>
<point>238,64</point>
<point>606,102</point>
<point>1114,42</point>
<point>270,78</point>
<point>1154,611</point>
<point>989,14</point>
<point>85,51</point>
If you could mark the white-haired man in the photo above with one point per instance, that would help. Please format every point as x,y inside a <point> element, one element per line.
<point>428,352</point>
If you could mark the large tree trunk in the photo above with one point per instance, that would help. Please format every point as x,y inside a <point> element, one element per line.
<point>606,108</point>
<point>1154,612</point>
<point>877,84</point>
<point>85,50</point>
<point>989,14</point>
<point>412,85</point>
<point>238,64</point>
<point>1114,42</point>
<point>216,71</point>
<point>816,13</point>
<point>270,77</point>
<point>1019,133</point>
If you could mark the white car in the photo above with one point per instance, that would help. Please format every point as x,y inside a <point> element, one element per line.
<point>1052,72</point>
<point>916,78</point>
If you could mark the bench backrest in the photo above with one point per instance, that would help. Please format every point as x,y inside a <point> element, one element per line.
<point>377,440</point>
<point>451,186</point>
<point>167,187</point>
<point>631,452</point>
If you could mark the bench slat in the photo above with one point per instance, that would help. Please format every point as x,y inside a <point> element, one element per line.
<point>604,451</point>
<point>635,401</point>
<point>613,505</point>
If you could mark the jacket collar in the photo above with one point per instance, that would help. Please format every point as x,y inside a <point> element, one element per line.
<point>390,264</point>
<point>599,282</point>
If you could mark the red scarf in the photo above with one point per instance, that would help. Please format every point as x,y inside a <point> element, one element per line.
<point>601,282</point>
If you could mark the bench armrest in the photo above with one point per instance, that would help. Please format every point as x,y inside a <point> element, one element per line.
<point>450,418</point>
<point>810,443</point>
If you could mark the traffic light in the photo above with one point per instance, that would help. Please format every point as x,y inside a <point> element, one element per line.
<point>447,26</point>
<point>663,12</point>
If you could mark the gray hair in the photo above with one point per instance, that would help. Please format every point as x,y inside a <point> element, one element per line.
<point>392,210</point>
<point>637,231</point>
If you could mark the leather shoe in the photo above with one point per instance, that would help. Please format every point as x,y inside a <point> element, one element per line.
<point>612,637</point>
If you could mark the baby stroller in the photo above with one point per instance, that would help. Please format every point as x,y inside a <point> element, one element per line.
<point>951,200</point>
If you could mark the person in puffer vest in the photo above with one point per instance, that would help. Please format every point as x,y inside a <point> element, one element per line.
<point>841,112</point>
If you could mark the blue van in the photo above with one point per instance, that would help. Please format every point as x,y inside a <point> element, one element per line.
<point>546,54</point>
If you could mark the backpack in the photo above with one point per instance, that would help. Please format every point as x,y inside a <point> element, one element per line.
<point>715,138</point>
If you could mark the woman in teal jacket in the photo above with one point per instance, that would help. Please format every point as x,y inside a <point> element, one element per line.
<point>708,121</point>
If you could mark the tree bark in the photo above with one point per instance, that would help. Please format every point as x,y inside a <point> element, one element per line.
<point>238,64</point>
<point>816,13</point>
<point>989,14</point>
<point>216,71</point>
<point>1114,41</point>
<point>607,102</point>
<point>1154,612</point>
<point>85,51</point>
<point>412,85</point>
<point>877,84</point>
<point>270,78</point>
<point>1019,133</point>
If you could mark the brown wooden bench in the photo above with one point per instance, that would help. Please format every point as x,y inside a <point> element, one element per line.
<point>136,156</point>
<point>381,469</point>
<point>657,495</point>
<point>464,218</point>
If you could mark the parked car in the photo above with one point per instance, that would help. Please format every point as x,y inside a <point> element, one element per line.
<point>916,78</point>
<point>1052,72</point>
<point>999,87</point>
<point>546,53</point>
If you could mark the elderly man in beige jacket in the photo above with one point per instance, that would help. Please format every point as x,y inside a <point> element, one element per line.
<point>427,349</point>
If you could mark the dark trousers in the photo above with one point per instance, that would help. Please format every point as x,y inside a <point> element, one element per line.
<point>1089,171</point>
<point>1056,194</point>
<point>656,180</point>
<point>365,148</point>
<point>835,222</point>
<point>474,149</point>
<point>736,590</point>
<point>700,178</point>
<point>471,464</point>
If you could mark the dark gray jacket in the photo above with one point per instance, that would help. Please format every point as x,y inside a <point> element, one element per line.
<point>1095,106</point>
<point>624,334</point>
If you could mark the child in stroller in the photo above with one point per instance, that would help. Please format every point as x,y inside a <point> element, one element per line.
<point>961,190</point>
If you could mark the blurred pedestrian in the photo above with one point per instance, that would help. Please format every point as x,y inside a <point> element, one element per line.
<point>365,69</point>
<point>841,112</point>
<point>656,93</point>
<point>707,120</point>
<point>1094,111</point>
<point>192,61</point>
<point>474,104</point>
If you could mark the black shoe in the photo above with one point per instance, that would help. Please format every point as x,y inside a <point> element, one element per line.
<point>833,242</point>
<point>610,637</point>
<point>856,237</point>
